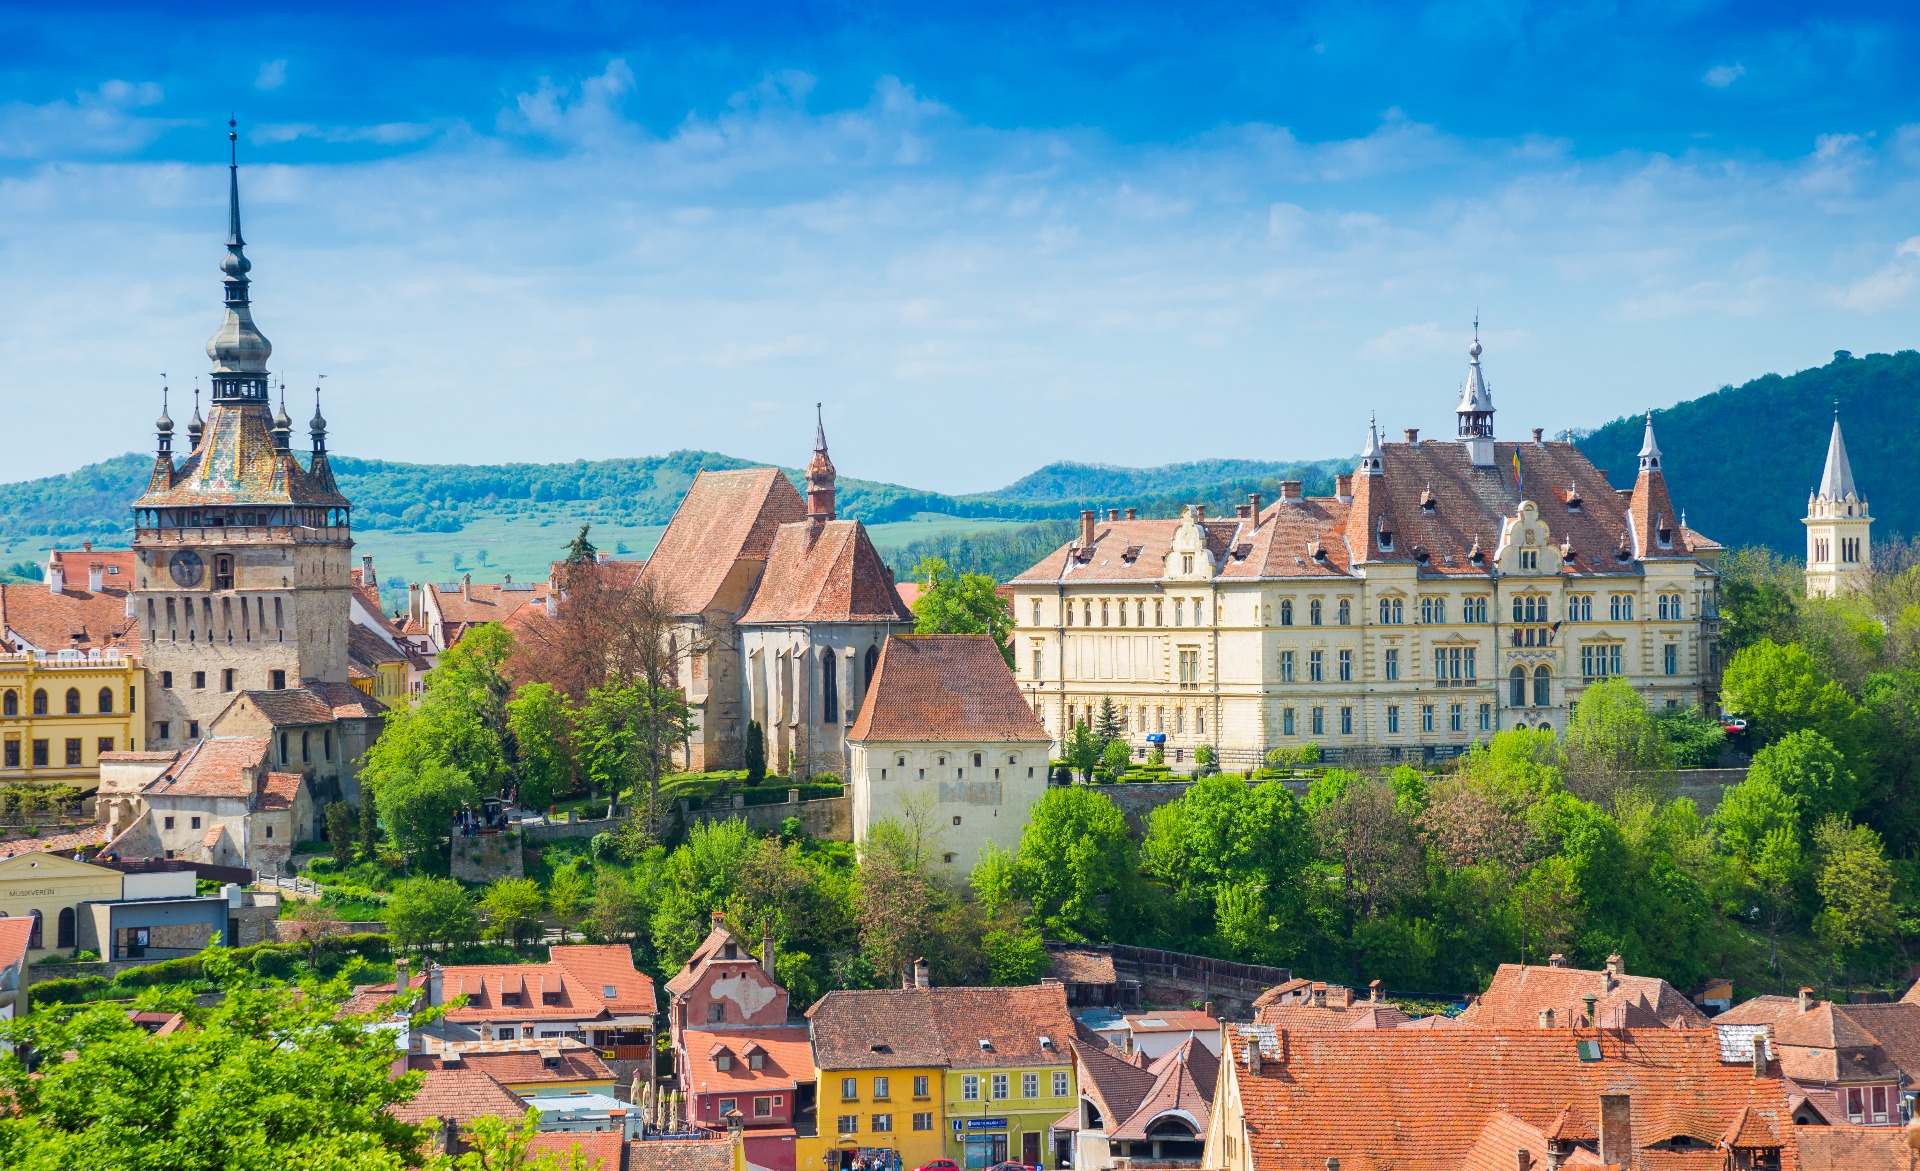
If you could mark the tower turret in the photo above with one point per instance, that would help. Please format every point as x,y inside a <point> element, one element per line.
<point>238,349</point>
<point>1370,463</point>
<point>163,429</point>
<point>820,478</point>
<point>1839,524</point>
<point>1475,412</point>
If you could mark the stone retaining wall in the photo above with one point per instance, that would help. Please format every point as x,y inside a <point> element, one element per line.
<point>826,819</point>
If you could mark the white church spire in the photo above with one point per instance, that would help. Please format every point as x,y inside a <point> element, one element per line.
<point>1839,526</point>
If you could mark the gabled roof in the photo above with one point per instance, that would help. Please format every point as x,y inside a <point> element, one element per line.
<point>470,603</point>
<point>577,976</point>
<point>945,687</point>
<point>1518,993</point>
<point>725,518</point>
<point>1422,1100</point>
<point>523,1066</point>
<point>74,619</point>
<point>1855,1148</point>
<point>1183,1085</point>
<point>1116,1085</point>
<point>708,1154</point>
<point>14,933</point>
<point>220,766</point>
<point>832,574</point>
<point>462,1095</point>
<point>1835,1043</point>
<point>786,1050</point>
<point>896,1027</point>
<point>712,948</point>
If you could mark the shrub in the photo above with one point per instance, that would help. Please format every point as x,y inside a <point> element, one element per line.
<point>603,847</point>
<point>323,864</point>
<point>71,990</point>
<point>826,779</point>
<point>274,965</point>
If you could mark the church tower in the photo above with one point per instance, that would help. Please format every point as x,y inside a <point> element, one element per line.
<point>243,554</point>
<point>1475,412</point>
<point>1839,554</point>
<point>820,479</point>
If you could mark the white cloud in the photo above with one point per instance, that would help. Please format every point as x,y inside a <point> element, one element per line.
<point>1889,286</point>
<point>96,122</point>
<point>1722,76</point>
<point>272,75</point>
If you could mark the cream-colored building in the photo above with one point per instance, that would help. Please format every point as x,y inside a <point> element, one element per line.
<point>1839,544</point>
<point>946,738</point>
<point>1447,590</point>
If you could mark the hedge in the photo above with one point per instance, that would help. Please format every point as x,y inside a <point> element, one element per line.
<point>69,990</point>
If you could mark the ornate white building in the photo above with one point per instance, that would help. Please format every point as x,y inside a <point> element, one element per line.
<point>1839,552</point>
<point>1448,589</point>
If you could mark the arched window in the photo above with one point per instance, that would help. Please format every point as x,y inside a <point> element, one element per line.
<point>873,663</point>
<point>34,939</point>
<point>1313,612</point>
<point>1542,687</point>
<point>63,937</point>
<point>1517,687</point>
<point>73,701</point>
<point>829,687</point>
<point>39,702</point>
<point>1286,612</point>
<point>11,704</point>
<point>106,700</point>
<point>1346,612</point>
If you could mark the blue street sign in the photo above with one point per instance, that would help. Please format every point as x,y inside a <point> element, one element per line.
<point>983,1124</point>
<point>1156,737</point>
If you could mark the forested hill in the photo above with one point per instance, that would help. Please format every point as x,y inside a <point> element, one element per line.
<point>93,501</point>
<point>1741,461</point>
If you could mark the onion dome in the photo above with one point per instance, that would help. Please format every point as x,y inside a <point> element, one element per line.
<point>238,346</point>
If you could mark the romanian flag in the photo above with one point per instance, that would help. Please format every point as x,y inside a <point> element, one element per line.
<point>1519,481</point>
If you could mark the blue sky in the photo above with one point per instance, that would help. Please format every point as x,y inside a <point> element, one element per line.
<point>987,236</point>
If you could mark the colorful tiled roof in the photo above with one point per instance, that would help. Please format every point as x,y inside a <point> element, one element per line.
<point>577,976</point>
<point>829,575</point>
<point>960,1028</point>
<point>1421,1100</point>
<point>940,687</point>
<point>725,518</point>
<point>236,463</point>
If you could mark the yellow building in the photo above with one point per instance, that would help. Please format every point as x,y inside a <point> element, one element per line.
<point>70,671</point>
<point>975,1075</point>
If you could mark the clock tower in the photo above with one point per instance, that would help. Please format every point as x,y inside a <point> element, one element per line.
<point>242,581</point>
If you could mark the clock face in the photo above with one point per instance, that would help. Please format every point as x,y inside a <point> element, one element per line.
<point>186,567</point>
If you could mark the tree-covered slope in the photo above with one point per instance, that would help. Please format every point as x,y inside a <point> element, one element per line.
<point>1741,461</point>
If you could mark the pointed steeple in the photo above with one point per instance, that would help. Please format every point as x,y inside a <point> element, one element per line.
<point>1836,482</point>
<point>196,426</point>
<point>317,428</point>
<point>1370,464</point>
<point>1475,412</point>
<point>238,349</point>
<point>820,477</point>
<point>163,427</point>
<point>1649,448</point>
<point>282,430</point>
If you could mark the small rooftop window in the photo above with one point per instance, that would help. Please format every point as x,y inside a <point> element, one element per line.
<point>609,991</point>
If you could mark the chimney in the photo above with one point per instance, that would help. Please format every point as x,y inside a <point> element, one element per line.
<point>1254,502</point>
<point>1546,1018</point>
<point>1616,965</point>
<point>602,557</point>
<point>1373,990</point>
<point>718,918</point>
<point>414,610</point>
<point>56,576</point>
<point>1133,514</point>
<point>1522,1159</point>
<point>86,546</point>
<point>1207,1008</point>
<point>466,585</point>
<point>506,579</point>
<point>1319,996</point>
<point>1537,431</point>
<point>1113,514</point>
<point>1616,1129</point>
<point>906,978</point>
<point>366,570</point>
<point>1806,1000</point>
<point>1413,435</point>
<point>1199,512</point>
<point>1289,489</point>
<point>1240,511</point>
<point>1760,1055</point>
<point>400,975</point>
<point>1087,516</point>
<point>96,576</point>
<point>920,979</point>
<point>435,985</point>
<point>1253,1056</point>
<point>1343,485</point>
<point>766,952</point>
<point>450,1137</point>
<point>1556,960</point>
<point>1588,1000</point>
<point>1333,1164</point>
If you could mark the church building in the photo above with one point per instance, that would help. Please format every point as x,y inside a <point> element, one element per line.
<point>1839,549</point>
<point>1448,589</point>
<point>242,560</point>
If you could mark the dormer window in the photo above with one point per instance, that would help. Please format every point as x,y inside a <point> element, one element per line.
<point>1384,536</point>
<point>723,1062</point>
<point>510,999</point>
<point>730,951</point>
<point>1428,504</point>
<point>1573,498</point>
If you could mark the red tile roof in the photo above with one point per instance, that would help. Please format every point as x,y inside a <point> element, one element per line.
<point>725,518</point>
<point>833,575</point>
<point>1855,1148</point>
<point>936,687</point>
<point>1517,995</point>
<point>1081,965</point>
<point>1420,1100</point>
<point>67,843</point>
<point>1179,1020</point>
<point>1830,1043</point>
<point>710,1154</point>
<point>462,1095</point>
<point>577,975</point>
<point>1183,1086</point>
<point>73,619</point>
<point>522,1066</point>
<point>895,1027</point>
<point>14,933</point>
<point>786,1050</point>
<point>278,791</point>
<point>597,1150</point>
<point>474,603</point>
<point>221,766</point>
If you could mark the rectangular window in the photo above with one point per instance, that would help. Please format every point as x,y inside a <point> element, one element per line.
<point>1613,659</point>
<point>193,823</point>
<point>999,1085</point>
<point>1286,721</point>
<point>1346,721</point>
<point>1393,718</point>
<point>40,753</point>
<point>1316,666</point>
<point>923,1120</point>
<point>1039,658</point>
<point>199,679</point>
<point>226,679</point>
<point>1671,659</point>
<point>166,680</point>
<point>278,679</point>
<point>1486,717</point>
<point>849,1124</point>
<point>849,1089</point>
<point>1393,664</point>
<point>880,1087</point>
<point>162,730</point>
<point>1061,1088</point>
<point>882,1123</point>
<point>166,823</point>
<point>1318,719</point>
<point>73,750</point>
<point>1286,666</point>
<point>763,1107</point>
<point>1426,609</point>
<point>1346,666</point>
<point>1179,612</point>
<point>12,757</point>
<point>1029,1085</point>
<point>1036,611</point>
<point>970,1087</point>
<point>920,1086</point>
<point>1456,721</point>
<point>1189,669</point>
<point>1426,717</point>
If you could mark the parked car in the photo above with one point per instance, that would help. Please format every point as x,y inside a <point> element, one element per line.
<point>1734,726</point>
<point>1012,1166</point>
<point>939,1165</point>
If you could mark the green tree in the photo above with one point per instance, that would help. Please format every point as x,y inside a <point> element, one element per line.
<point>1611,737</point>
<point>420,807</point>
<point>512,908</point>
<point>1856,891</point>
<point>568,894</point>
<point>1107,724</point>
<point>1693,740</point>
<point>623,734</point>
<point>1083,751</point>
<point>432,913</point>
<point>537,717</point>
<point>1014,957</point>
<point>995,880</point>
<point>1780,690</point>
<point>961,603</point>
<point>620,911</point>
<point>756,753</point>
<point>898,899</point>
<point>1076,864</point>
<point>369,822</point>
<point>262,1079</point>
<point>580,550</point>
<point>463,714</point>
<point>340,833</point>
<point>1805,765</point>
<point>1115,758</point>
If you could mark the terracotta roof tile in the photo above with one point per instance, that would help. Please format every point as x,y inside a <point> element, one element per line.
<point>278,791</point>
<point>725,518</point>
<point>596,1150</point>
<point>221,766</point>
<point>1517,995</point>
<point>1183,1086</point>
<point>883,1028</point>
<point>462,1095</point>
<point>521,1067</point>
<point>14,933</point>
<point>944,687</point>
<point>1855,1148</point>
<point>1116,1085</point>
<point>895,1027</point>
<point>711,1154</point>
<point>1179,1020</point>
<point>1421,1100</point>
<point>577,975</point>
<point>786,1050</point>
<point>368,648</point>
<point>1081,965</point>
<point>67,843</point>
<point>833,575</point>
<point>73,619</point>
<point>475,603</point>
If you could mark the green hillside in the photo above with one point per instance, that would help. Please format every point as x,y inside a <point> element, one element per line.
<point>1740,461</point>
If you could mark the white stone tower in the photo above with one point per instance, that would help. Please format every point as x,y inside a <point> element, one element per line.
<point>1839,554</point>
